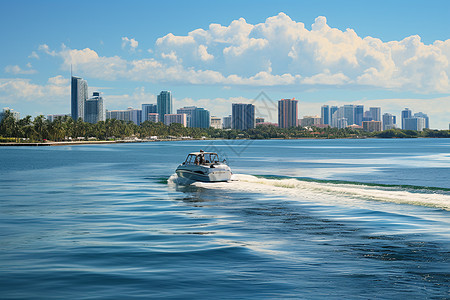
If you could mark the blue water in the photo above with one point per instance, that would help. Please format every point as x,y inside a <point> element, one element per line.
<point>111,222</point>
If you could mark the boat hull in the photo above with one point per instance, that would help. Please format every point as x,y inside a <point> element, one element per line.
<point>204,174</point>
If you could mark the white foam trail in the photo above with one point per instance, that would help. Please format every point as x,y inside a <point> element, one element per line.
<point>174,180</point>
<point>294,188</point>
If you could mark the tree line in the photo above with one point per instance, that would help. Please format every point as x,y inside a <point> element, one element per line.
<point>63,128</point>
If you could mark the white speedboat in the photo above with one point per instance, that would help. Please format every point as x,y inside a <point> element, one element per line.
<point>204,166</point>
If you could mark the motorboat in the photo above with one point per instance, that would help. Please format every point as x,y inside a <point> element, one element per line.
<point>204,166</point>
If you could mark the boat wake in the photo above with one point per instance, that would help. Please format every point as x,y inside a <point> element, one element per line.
<point>328,192</point>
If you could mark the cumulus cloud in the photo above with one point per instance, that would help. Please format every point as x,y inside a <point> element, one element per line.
<point>127,42</point>
<point>15,69</point>
<point>46,49</point>
<point>135,99</point>
<point>25,90</point>
<point>278,52</point>
<point>33,55</point>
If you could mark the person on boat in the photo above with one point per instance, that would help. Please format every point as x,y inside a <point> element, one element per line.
<point>202,157</point>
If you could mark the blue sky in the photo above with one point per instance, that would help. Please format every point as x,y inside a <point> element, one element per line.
<point>392,54</point>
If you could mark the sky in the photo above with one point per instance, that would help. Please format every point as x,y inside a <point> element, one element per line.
<point>392,54</point>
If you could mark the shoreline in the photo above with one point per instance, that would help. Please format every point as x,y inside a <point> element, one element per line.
<point>76,143</point>
<point>69,143</point>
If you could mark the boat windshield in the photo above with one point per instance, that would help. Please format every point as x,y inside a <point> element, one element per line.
<point>211,158</point>
<point>202,159</point>
<point>191,159</point>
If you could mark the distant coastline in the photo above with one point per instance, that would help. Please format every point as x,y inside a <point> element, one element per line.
<point>76,143</point>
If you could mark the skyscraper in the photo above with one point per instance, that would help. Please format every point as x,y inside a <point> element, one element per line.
<point>388,121</point>
<point>414,123</point>
<point>325,114</point>
<point>333,109</point>
<point>287,113</point>
<point>341,123</point>
<point>242,116</point>
<point>425,116</point>
<point>153,117</point>
<point>349,114</point>
<point>15,114</point>
<point>338,114</point>
<point>175,118</point>
<point>359,114</point>
<point>216,122</point>
<point>133,115</point>
<point>94,109</point>
<point>406,114</point>
<point>189,111</point>
<point>79,95</point>
<point>227,122</point>
<point>375,112</point>
<point>164,103</point>
<point>200,118</point>
<point>372,126</point>
<point>148,109</point>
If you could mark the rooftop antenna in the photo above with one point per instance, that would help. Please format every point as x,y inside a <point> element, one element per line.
<point>71,71</point>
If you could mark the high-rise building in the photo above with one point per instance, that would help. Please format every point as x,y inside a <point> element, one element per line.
<point>287,113</point>
<point>310,121</point>
<point>133,115</point>
<point>216,122</point>
<point>15,114</point>
<point>52,118</point>
<point>94,109</point>
<point>227,122</point>
<point>375,112</point>
<point>200,118</point>
<point>425,116</point>
<point>136,116</point>
<point>164,103</point>
<point>338,114</point>
<point>388,121</point>
<point>153,117</point>
<point>175,118</point>
<point>148,109</point>
<point>333,109</point>
<point>367,116</point>
<point>79,95</point>
<point>242,116</point>
<point>341,123</point>
<point>189,111</point>
<point>406,114</point>
<point>196,117</point>
<point>349,114</point>
<point>121,115</point>
<point>359,114</point>
<point>325,114</point>
<point>372,126</point>
<point>414,123</point>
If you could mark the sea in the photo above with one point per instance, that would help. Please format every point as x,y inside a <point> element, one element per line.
<point>301,219</point>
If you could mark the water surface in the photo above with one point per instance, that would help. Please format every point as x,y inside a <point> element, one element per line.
<point>109,221</point>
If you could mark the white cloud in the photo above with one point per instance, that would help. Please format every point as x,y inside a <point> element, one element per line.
<point>135,100</point>
<point>46,49</point>
<point>33,55</point>
<point>279,51</point>
<point>19,89</point>
<point>18,70</point>
<point>127,42</point>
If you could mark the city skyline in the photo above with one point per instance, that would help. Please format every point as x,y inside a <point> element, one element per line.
<point>214,59</point>
<point>243,115</point>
